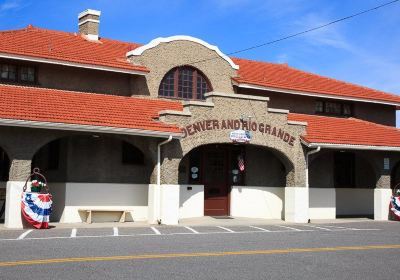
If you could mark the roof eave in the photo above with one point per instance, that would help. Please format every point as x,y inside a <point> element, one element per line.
<point>73,64</point>
<point>89,128</point>
<point>306,93</point>
<point>350,146</point>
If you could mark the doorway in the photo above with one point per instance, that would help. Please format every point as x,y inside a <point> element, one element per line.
<point>217,167</point>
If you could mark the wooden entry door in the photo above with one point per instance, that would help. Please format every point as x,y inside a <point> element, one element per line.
<point>215,180</point>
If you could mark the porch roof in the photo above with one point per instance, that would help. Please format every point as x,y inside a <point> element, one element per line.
<point>347,133</point>
<point>68,110</point>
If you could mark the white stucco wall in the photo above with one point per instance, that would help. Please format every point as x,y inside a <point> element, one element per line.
<point>130,197</point>
<point>322,203</point>
<point>191,202</point>
<point>257,202</point>
<point>354,201</point>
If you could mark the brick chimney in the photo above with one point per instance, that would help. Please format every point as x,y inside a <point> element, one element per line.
<point>89,24</point>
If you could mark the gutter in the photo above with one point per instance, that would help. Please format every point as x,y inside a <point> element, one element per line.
<point>74,64</point>
<point>351,147</point>
<point>88,128</point>
<point>159,174</point>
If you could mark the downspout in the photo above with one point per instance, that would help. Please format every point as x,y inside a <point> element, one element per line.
<point>159,174</point>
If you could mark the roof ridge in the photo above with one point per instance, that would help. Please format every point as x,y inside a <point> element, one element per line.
<point>41,29</point>
<point>88,93</point>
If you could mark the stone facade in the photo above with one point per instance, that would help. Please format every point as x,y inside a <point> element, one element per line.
<point>166,56</point>
<point>233,107</point>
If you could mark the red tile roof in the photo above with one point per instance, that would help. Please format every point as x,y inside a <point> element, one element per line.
<point>71,47</point>
<point>59,106</point>
<point>284,77</point>
<point>67,47</point>
<point>350,131</point>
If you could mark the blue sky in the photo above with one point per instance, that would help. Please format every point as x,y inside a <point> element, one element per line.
<point>363,50</point>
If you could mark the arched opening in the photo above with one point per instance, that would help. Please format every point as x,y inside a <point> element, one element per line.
<point>4,173</point>
<point>239,180</point>
<point>94,171</point>
<point>395,175</point>
<point>341,185</point>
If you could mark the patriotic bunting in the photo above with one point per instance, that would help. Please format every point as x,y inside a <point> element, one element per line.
<point>36,208</point>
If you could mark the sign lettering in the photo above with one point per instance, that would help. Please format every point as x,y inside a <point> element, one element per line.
<point>262,128</point>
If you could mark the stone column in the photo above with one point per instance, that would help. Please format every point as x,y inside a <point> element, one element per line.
<point>382,195</point>
<point>297,195</point>
<point>19,171</point>
<point>163,202</point>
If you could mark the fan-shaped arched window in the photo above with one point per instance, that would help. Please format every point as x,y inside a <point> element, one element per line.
<point>184,82</point>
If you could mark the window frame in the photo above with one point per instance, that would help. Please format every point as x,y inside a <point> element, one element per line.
<point>18,74</point>
<point>342,108</point>
<point>176,73</point>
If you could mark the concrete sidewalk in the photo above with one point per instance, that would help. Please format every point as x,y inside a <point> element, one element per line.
<point>201,221</point>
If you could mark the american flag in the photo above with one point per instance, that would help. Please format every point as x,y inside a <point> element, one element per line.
<point>241,163</point>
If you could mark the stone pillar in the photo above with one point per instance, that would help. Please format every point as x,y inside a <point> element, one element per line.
<point>382,195</point>
<point>19,171</point>
<point>297,196</point>
<point>163,201</point>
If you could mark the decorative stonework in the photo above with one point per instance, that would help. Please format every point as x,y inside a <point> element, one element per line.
<point>213,124</point>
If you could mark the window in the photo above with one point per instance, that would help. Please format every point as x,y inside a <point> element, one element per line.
<point>131,154</point>
<point>333,108</point>
<point>27,74</point>
<point>184,82</point>
<point>8,72</point>
<point>344,170</point>
<point>17,73</point>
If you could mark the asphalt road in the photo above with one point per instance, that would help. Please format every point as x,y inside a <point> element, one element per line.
<point>369,250</point>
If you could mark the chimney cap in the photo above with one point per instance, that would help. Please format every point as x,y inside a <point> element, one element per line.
<point>89,12</point>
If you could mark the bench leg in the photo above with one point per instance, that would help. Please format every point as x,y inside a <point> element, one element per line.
<point>122,219</point>
<point>89,217</point>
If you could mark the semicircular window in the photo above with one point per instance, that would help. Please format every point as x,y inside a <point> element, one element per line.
<point>184,82</point>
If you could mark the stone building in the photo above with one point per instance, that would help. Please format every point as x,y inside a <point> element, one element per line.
<point>176,129</point>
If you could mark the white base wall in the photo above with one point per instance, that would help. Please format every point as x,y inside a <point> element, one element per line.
<point>322,203</point>
<point>13,218</point>
<point>257,202</point>
<point>381,204</point>
<point>163,204</point>
<point>191,201</point>
<point>132,197</point>
<point>296,204</point>
<point>352,201</point>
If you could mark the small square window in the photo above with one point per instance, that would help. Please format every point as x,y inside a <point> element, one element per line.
<point>346,109</point>
<point>27,74</point>
<point>333,108</point>
<point>8,72</point>
<point>319,107</point>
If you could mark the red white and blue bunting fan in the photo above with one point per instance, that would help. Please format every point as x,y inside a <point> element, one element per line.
<point>395,207</point>
<point>36,206</point>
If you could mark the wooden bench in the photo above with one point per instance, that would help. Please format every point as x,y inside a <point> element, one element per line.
<point>90,210</point>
